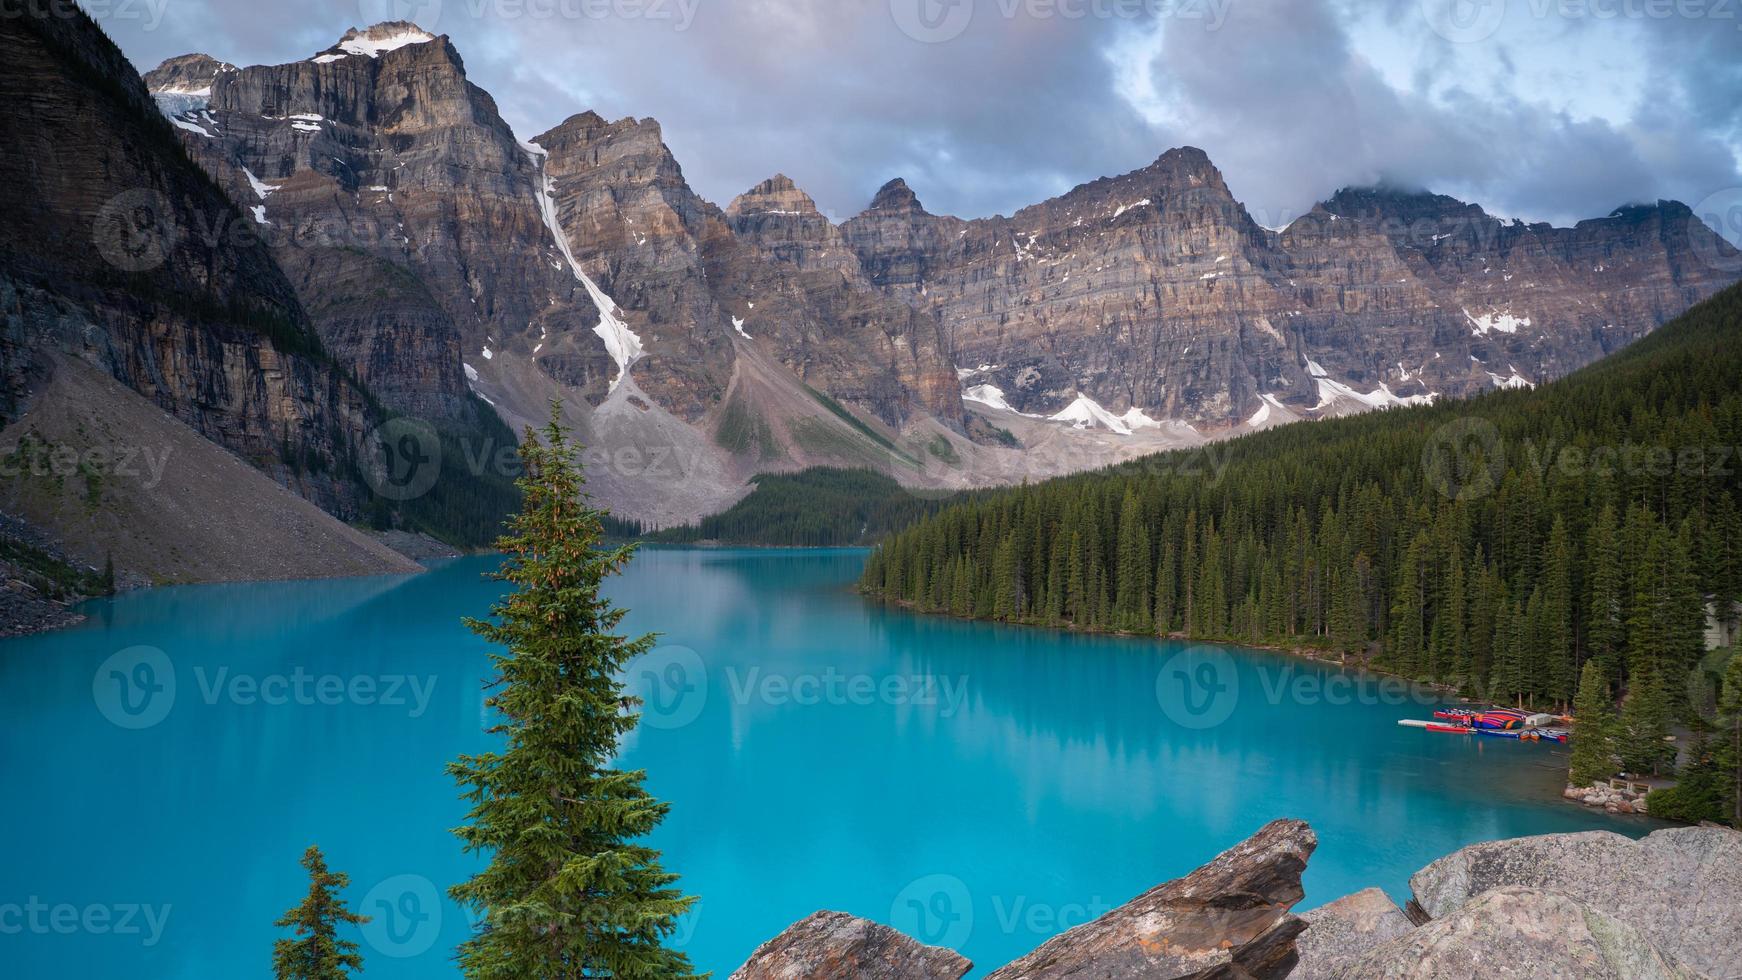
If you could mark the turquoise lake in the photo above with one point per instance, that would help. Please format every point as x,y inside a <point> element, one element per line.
<point>979,786</point>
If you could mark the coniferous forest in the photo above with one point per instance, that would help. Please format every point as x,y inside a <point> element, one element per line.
<point>1496,544</point>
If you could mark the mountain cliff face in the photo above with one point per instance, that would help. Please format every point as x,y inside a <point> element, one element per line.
<point>1156,291</point>
<point>117,250</point>
<point>394,197</point>
<point>770,271</point>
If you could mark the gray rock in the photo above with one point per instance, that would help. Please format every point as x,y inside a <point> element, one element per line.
<point>1341,932</point>
<point>838,946</point>
<point>1228,919</point>
<point>1521,933</point>
<point>1682,887</point>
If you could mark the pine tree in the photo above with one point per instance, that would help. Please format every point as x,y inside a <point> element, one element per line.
<point>1606,631</point>
<point>1593,750</point>
<point>1507,679</point>
<point>317,952</point>
<point>569,891</point>
<point>1561,671</point>
<point>1645,720</point>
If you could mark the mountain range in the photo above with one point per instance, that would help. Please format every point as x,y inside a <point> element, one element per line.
<point>357,241</point>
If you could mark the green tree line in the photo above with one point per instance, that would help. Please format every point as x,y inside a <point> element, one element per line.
<point>818,507</point>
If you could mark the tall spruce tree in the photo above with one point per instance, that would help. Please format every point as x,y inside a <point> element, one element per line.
<point>1645,720</point>
<point>1593,751</point>
<point>570,891</point>
<point>316,952</point>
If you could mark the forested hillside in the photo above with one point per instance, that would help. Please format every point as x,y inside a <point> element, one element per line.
<point>1495,543</point>
<point>820,507</point>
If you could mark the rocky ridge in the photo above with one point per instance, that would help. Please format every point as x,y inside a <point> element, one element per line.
<point>1156,290</point>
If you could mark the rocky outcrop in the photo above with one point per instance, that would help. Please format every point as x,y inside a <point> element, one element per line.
<point>1609,797</point>
<point>1681,887</point>
<point>1229,918</point>
<point>1564,905</point>
<point>838,946</point>
<point>1525,934</point>
<point>1340,933</point>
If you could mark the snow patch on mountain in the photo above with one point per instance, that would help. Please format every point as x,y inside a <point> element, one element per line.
<point>1134,419</point>
<point>620,342</point>
<point>1515,381</point>
<point>1381,397</point>
<point>1495,321</point>
<point>1085,413</point>
<point>990,395</point>
<point>261,188</point>
<point>190,127</point>
<point>379,40</point>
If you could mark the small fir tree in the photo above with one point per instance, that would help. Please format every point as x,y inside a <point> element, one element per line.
<point>316,952</point>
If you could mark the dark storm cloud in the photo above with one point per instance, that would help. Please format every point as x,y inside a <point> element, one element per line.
<point>1024,98</point>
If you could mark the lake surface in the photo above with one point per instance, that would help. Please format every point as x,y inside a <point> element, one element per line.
<point>978,786</point>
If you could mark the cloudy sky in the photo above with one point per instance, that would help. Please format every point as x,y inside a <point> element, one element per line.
<point>1540,109</point>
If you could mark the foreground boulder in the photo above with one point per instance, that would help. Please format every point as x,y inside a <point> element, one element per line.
<point>1338,934</point>
<point>1681,888</point>
<point>838,946</point>
<point>1227,919</point>
<point>1521,933</point>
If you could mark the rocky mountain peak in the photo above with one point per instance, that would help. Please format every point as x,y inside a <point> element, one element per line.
<point>1640,212</point>
<point>896,197</point>
<point>186,74</point>
<point>777,195</point>
<point>1390,202</point>
<point>586,128</point>
<point>1186,167</point>
<point>378,39</point>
